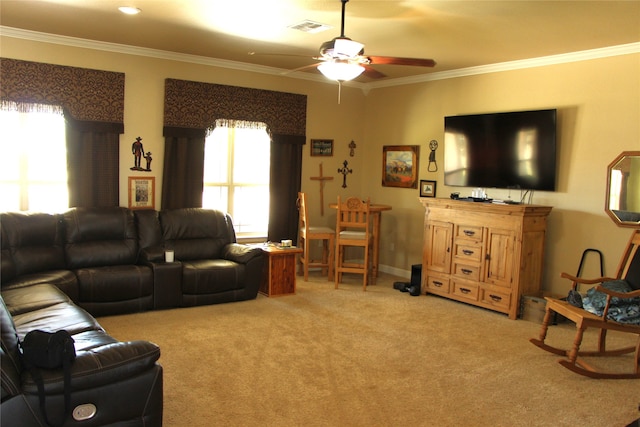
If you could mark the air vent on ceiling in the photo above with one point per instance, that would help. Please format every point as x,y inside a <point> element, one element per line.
<point>311,27</point>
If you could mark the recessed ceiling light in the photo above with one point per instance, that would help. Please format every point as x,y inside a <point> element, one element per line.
<point>129,10</point>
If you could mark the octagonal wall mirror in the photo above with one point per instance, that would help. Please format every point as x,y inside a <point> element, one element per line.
<point>623,189</point>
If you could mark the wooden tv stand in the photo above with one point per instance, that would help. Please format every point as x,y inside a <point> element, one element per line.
<point>483,254</point>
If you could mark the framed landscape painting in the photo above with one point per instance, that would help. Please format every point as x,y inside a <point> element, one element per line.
<point>400,166</point>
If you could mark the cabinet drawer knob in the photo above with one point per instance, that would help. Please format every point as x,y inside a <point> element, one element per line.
<point>467,251</point>
<point>465,290</point>
<point>436,283</point>
<point>466,271</point>
<point>469,232</point>
<point>495,298</point>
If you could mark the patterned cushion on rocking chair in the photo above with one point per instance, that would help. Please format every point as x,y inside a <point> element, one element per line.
<point>622,310</point>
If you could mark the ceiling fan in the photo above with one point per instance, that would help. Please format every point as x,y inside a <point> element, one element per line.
<point>344,59</point>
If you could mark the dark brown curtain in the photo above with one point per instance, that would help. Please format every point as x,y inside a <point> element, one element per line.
<point>182,179</point>
<point>93,157</point>
<point>285,182</point>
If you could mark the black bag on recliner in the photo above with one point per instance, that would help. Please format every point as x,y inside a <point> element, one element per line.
<point>49,350</point>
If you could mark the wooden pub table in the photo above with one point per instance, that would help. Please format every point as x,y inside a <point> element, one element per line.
<point>279,276</point>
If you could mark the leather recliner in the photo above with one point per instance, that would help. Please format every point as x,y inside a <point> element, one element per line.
<point>121,380</point>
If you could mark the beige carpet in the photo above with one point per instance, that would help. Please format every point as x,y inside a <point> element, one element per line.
<point>327,357</point>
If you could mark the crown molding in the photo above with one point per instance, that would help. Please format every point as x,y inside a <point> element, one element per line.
<point>584,55</point>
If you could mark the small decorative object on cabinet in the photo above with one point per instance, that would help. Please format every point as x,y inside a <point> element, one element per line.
<point>483,254</point>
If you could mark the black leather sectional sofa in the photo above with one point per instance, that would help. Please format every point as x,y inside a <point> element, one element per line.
<point>59,271</point>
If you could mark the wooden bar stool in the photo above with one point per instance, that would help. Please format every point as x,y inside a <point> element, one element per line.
<point>353,228</point>
<point>309,233</point>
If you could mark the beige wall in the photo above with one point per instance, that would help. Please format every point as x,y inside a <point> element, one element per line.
<point>598,102</point>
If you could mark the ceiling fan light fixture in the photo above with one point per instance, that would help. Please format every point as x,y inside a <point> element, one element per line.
<point>129,10</point>
<point>340,70</point>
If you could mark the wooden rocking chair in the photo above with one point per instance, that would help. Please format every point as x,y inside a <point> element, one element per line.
<point>628,270</point>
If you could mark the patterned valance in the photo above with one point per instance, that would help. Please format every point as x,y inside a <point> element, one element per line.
<point>197,105</point>
<point>88,95</point>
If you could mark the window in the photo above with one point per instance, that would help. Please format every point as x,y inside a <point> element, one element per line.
<point>236,174</point>
<point>33,164</point>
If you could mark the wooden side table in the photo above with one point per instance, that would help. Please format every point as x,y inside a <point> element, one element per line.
<point>279,276</point>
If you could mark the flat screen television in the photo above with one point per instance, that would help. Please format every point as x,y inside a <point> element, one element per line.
<point>501,150</point>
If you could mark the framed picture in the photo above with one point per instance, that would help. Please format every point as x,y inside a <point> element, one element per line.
<point>322,147</point>
<point>400,166</point>
<point>427,188</point>
<point>142,192</point>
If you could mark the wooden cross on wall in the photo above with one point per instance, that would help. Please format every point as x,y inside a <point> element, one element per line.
<point>344,171</point>
<point>321,179</point>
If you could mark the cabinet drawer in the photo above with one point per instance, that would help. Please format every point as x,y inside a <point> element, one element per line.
<point>437,284</point>
<point>470,272</point>
<point>469,232</point>
<point>468,251</point>
<point>499,300</point>
<point>465,290</point>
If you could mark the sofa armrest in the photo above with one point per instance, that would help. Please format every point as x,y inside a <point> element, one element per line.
<point>105,364</point>
<point>151,254</point>
<point>240,253</point>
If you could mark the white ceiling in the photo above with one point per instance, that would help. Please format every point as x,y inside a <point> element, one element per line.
<point>456,34</point>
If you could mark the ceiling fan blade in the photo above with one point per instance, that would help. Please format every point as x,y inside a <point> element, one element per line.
<point>293,55</point>
<point>372,73</point>
<point>305,67</point>
<point>390,60</point>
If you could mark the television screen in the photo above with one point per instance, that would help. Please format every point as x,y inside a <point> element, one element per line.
<point>501,150</point>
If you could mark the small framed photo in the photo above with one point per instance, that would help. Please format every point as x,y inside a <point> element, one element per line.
<point>142,192</point>
<point>400,166</point>
<point>427,188</point>
<point>322,147</point>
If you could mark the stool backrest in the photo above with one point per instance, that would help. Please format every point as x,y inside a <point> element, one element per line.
<point>353,213</point>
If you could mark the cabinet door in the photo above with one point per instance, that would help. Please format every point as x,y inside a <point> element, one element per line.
<point>499,258</point>
<point>437,250</point>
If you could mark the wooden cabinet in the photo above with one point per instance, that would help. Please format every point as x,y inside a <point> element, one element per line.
<point>279,276</point>
<point>484,254</point>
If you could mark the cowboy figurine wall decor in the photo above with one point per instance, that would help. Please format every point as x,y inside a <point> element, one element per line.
<point>138,153</point>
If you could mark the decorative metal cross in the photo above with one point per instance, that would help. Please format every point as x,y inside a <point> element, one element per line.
<point>352,147</point>
<point>321,179</point>
<point>344,171</point>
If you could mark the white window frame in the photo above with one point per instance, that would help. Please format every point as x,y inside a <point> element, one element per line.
<point>27,145</point>
<point>243,230</point>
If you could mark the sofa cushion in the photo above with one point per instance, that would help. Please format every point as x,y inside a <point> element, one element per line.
<point>65,280</point>
<point>149,236</point>
<point>9,354</point>
<point>100,236</point>
<point>20,300</point>
<point>196,233</point>
<point>211,276</point>
<point>34,242</point>
<point>116,289</point>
